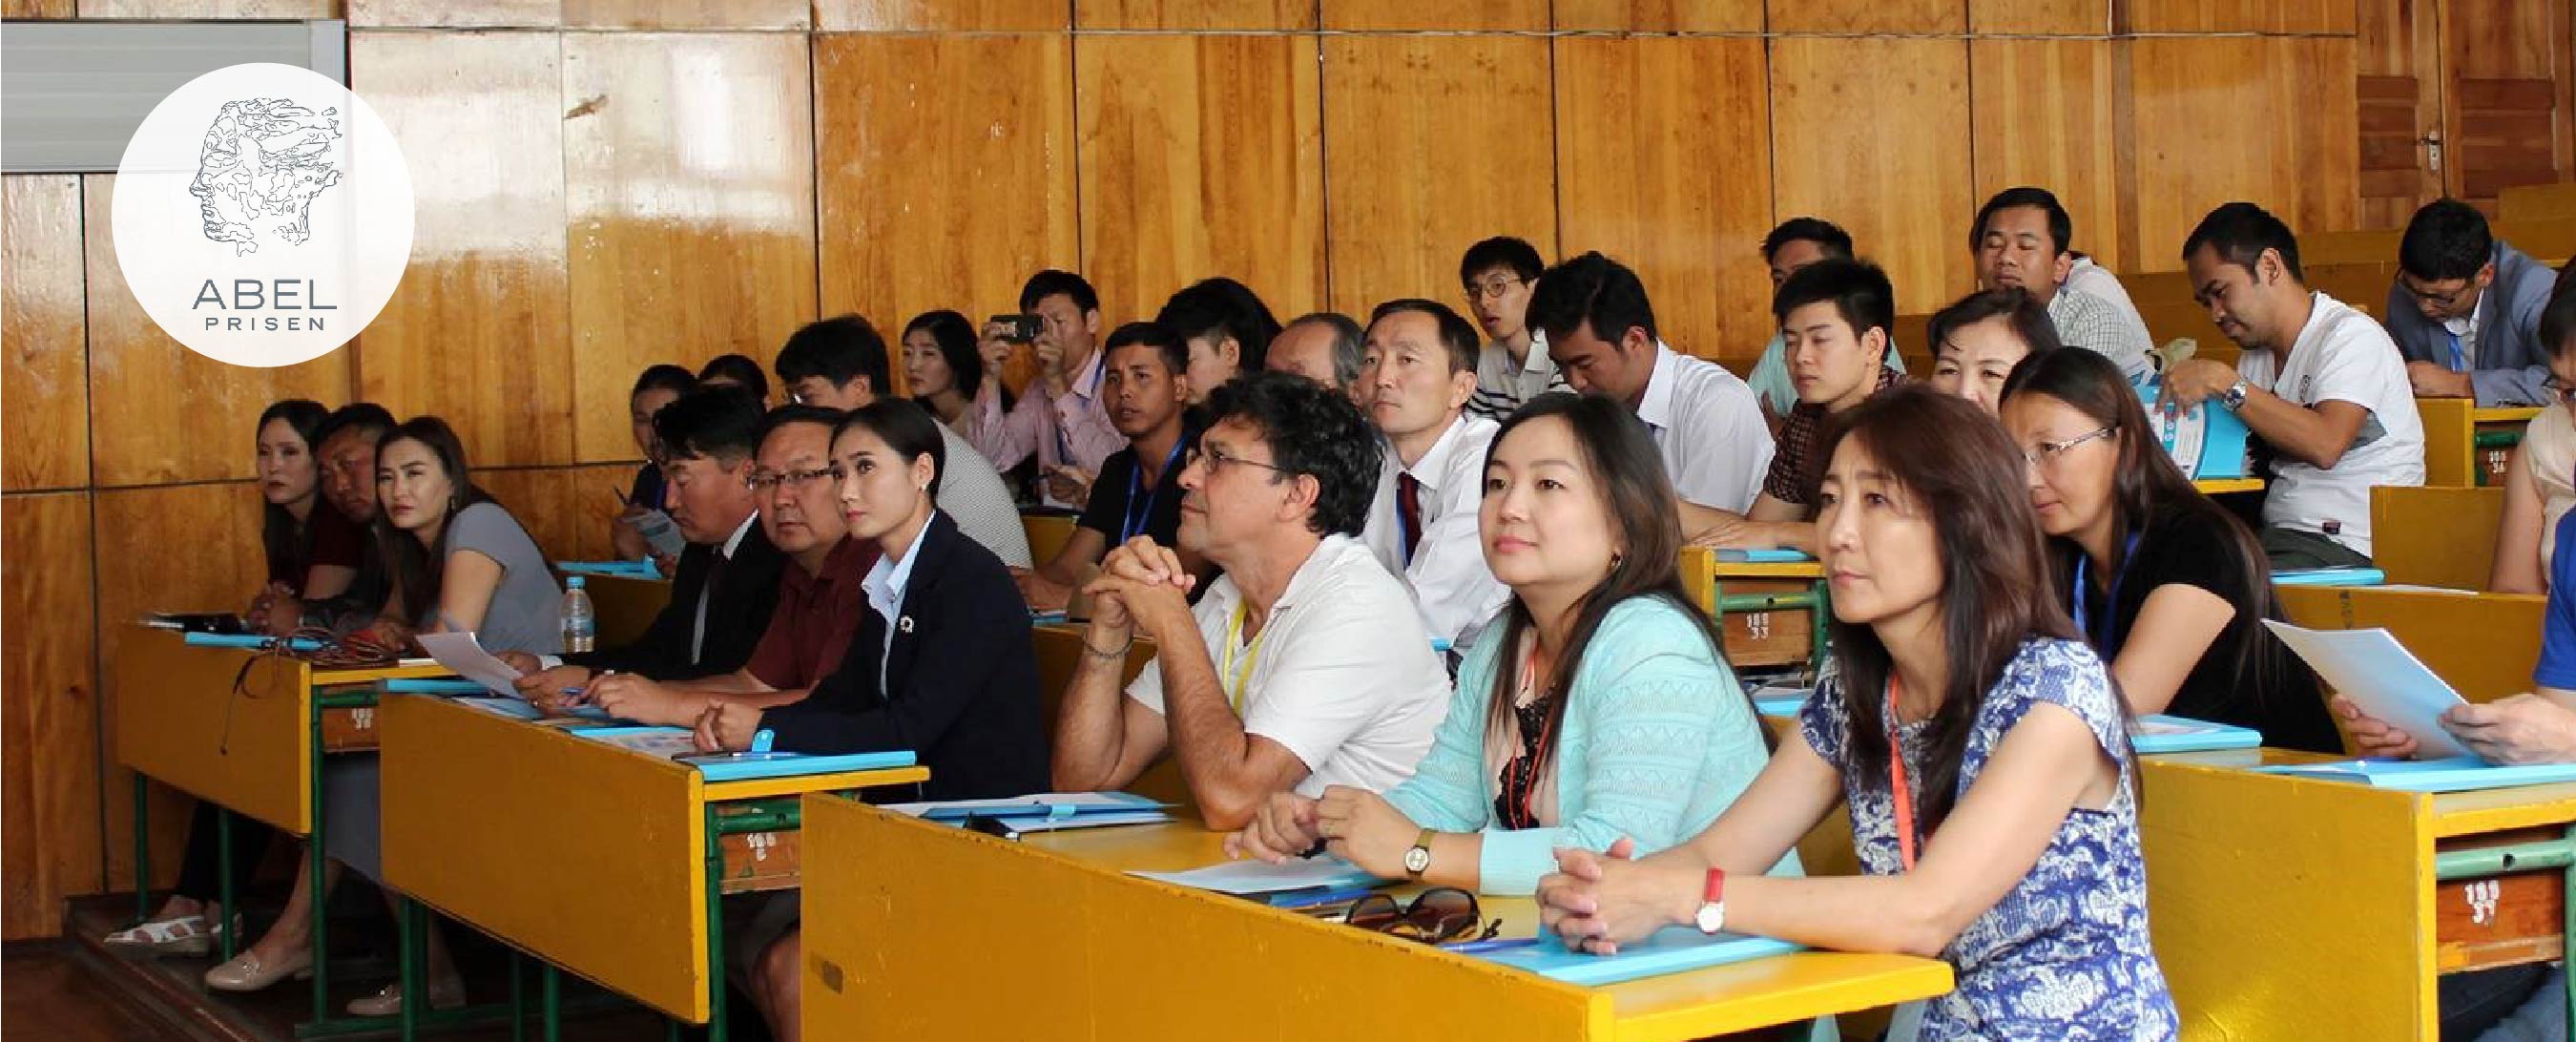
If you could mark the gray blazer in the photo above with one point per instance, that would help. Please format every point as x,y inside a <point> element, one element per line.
<point>2512,362</point>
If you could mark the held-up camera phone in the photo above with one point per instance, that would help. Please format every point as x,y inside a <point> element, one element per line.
<point>1023,328</point>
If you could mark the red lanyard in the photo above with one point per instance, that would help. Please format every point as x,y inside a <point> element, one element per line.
<point>1898,790</point>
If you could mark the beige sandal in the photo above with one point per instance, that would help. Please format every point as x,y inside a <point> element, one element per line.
<point>177,935</point>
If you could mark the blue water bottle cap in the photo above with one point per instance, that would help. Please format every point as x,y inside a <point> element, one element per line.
<point>572,582</point>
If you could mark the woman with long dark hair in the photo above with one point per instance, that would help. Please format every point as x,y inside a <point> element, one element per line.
<point>2162,581</point>
<point>1605,708</point>
<point>1978,744</point>
<point>943,371</point>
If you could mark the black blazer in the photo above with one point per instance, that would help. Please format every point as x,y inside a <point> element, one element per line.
<point>961,685</point>
<point>736,616</point>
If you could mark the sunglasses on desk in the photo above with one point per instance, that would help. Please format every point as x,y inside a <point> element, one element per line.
<point>1436,916</point>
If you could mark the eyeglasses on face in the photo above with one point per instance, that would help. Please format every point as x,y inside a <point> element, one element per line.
<point>2047,453</point>
<point>1494,287</point>
<point>768,480</point>
<point>1218,459</point>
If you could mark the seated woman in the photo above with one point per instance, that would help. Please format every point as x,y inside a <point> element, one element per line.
<point>2013,852</point>
<point>2541,482</point>
<point>944,371</point>
<point>942,663</point>
<point>2163,582</point>
<point>461,564</point>
<point>1606,710</point>
<point>314,553</point>
<point>659,385</point>
<point>1977,341</point>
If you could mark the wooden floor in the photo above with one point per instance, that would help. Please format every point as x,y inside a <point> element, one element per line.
<point>75,991</point>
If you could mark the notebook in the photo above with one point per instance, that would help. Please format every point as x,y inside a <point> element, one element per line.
<point>2454,774</point>
<point>2329,577</point>
<point>675,742</point>
<point>623,569</point>
<point>1674,949</point>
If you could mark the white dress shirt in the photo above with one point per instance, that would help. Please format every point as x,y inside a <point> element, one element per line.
<point>1709,428</point>
<point>1452,586</point>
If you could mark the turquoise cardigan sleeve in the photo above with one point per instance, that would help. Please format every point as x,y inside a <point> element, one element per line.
<point>1448,792</point>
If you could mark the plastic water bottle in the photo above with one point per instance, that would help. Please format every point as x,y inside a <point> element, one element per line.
<point>580,622</point>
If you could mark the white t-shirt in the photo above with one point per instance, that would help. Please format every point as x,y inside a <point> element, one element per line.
<point>2342,355</point>
<point>1340,675</point>
<point>1708,425</point>
<point>1454,588</point>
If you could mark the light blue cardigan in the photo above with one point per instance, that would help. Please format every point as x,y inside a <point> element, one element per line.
<point>1658,740</point>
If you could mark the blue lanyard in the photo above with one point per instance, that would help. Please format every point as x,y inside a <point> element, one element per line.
<point>2083,617</point>
<point>1139,504</point>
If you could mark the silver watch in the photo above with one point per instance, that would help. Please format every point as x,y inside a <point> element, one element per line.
<point>2234,396</point>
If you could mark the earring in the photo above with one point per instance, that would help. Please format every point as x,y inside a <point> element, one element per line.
<point>1615,558</point>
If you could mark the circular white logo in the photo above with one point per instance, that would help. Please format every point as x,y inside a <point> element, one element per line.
<point>263,215</point>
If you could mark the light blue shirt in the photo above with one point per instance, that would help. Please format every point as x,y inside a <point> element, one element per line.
<point>884,587</point>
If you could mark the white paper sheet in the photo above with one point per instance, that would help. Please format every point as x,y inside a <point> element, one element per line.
<point>465,658</point>
<point>2383,678</point>
<point>1259,877</point>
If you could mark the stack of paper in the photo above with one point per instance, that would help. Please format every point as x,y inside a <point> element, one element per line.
<point>2378,674</point>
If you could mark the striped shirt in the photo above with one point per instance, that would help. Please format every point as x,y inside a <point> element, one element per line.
<point>1502,389</point>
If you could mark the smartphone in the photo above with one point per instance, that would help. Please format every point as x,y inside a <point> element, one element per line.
<point>1024,328</point>
<point>991,826</point>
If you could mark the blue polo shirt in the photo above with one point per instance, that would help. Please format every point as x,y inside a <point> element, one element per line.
<point>2558,628</point>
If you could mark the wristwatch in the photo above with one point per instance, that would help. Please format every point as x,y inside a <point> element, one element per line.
<point>1417,860</point>
<point>1712,910</point>
<point>2234,395</point>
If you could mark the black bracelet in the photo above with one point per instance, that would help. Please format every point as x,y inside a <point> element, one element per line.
<point>1087,649</point>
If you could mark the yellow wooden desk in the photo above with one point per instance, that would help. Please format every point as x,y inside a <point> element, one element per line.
<point>2223,486</point>
<point>2435,535</point>
<point>1047,534</point>
<point>594,858</point>
<point>2290,908</point>
<point>898,912</point>
<point>2467,445</point>
<point>626,605</point>
<point>2483,644</point>
<point>1770,614</point>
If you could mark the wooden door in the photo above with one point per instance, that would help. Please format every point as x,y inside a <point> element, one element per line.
<point>2505,96</point>
<point>2399,87</point>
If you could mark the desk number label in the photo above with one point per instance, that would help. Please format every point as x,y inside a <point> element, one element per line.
<point>2483,896</point>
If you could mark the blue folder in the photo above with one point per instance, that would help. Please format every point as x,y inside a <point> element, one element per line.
<point>1780,705</point>
<point>246,640</point>
<point>1123,803</point>
<point>2329,577</point>
<point>1674,949</point>
<point>433,686</point>
<point>1763,556</point>
<point>2454,774</point>
<point>740,766</point>
<point>2158,733</point>
<point>624,569</point>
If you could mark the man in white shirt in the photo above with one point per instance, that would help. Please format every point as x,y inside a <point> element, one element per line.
<point>2021,240</point>
<point>2318,381</point>
<point>1060,418</point>
<point>839,363</point>
<point>1419,371</point>
<point>1323,346</point>
<point>1601,330</point>
<point>1302,667</point>
<point>1497,275</point>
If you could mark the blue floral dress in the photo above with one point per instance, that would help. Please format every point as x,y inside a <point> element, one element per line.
<point>2065,955</point>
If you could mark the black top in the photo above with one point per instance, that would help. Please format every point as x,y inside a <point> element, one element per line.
<point>1116,517</point>
<point>2247,677</point>
<point>744,597</point>
<point>647,489</point>
<point>961,682</point>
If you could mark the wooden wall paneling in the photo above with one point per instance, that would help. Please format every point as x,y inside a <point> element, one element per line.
<point>941,15</point>
<point>688,14</point>
<point>2398,64</point>
<point>2043,115</point>
<point>34,9</point>
<point>158,411</point>
<point>210,9</point>
<point>1662,158</point>
<point>1872,134</point>
<point>565,508</point>
<point>455,14</point>
<point>2228,16</point>
<point>2266,119</point>
<point>1870,16</point>
<point>476,334</point>
<point>907,119</point>
<point>1200,155</point>
<point>196,549</point>
<point>2040,17</point>
<point>1439,15</point>
<point>1660,16</point>
<point>689,196</point>
<point>44,431</point>
<point>48,710</point>
<point>2508,64</point>
<point>1428,147</point>
<point>1233,15</point>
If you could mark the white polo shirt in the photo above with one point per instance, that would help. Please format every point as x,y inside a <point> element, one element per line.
<point>1709,428</point>
<point>1340,674</point>
<point>1452,586</point>
<point>2342,355</point>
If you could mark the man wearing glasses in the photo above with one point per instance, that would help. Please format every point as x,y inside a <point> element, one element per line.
<point>2465,310</point>
<point>1513,368</point>
<point>1305,664</point>
<point>820,599</point>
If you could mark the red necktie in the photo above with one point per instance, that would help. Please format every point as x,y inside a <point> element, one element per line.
<point>1408,512</point>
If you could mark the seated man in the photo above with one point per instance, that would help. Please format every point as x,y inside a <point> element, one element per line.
<point>1144,380</point>
<point>1601,329</point>
<point>2318,382</point>
<point>1835,316</point>
<point>1303,666</point>
<point>820,595</point>
<point>1226,327</point>
<point>1796,243</point>
<point>1497,275</point>
<point>1323,347</point>
<point>1059,419</point>
<point>727,582</point>
<point>2465,310</point>
<point>2022,239</point>
<point>1420,371</point>
<point>841,364</point>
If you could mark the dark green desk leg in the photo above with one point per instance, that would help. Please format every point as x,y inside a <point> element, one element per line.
<point>316,887</point>
<point>518,996</point>
<point>224,880</point>
<point>716,1028</point>
<point>553,1003</point>
<point>415,968</point>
